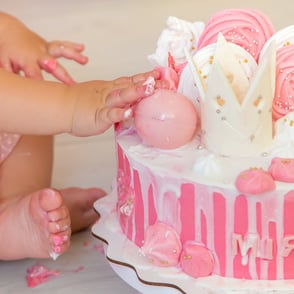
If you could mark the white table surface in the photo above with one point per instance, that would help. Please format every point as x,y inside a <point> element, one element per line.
<point>119,34</point>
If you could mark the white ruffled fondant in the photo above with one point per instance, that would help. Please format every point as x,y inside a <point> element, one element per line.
<point>178,34</point>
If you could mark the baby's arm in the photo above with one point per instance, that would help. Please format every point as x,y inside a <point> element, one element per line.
<point>22,50</point>
<point>36,107</point>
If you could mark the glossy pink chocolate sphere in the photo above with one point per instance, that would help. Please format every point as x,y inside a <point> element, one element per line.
<point>165,119</point>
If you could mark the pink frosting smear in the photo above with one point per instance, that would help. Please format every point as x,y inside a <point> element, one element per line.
<point>284,95</point>
<point>247,28</point>
<point>196,260</point>
<point>282,169</point>
<point>162,245</point>
<point>255,181</point>
<point>38,274</point>
<point>170,75</point>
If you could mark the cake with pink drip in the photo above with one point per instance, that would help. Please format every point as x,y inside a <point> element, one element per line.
<point>205,170</point>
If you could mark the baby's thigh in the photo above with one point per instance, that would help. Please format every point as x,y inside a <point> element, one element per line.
<point>28,168</point>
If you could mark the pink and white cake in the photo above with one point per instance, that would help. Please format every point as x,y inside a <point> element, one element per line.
<point>205,174</point>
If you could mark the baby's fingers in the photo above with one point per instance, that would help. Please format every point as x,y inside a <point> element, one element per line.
<point>135,79</point>
<point>67,50</point>
<point>114,115</point>
<point>130,95</point>
<point>53,67</point>
<point>123,97</point>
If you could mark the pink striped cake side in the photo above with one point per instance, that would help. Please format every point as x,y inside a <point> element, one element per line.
<point>250,237</point>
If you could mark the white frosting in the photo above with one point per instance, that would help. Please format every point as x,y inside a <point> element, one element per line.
<point>54,255</point>
<point>177,35</point>
<point>282,38</point>
<point>283,144</point>
<point>195,163</point>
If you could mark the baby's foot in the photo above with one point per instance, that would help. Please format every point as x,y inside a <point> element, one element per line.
<point>36,225</point>
<point>80,204</point>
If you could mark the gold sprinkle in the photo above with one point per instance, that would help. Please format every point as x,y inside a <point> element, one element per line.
<point>230,78</point>
<point>205,77</point>
<point>257,101</point>
<point>164,262</point>
<point>220,101</point>
<point>287,43</point>
<point>285,161</point>
<point>187,256</point>
<point>245,60</point>
<point>291,123</point>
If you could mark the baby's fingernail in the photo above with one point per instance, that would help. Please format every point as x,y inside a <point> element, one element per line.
<point>128,113</point>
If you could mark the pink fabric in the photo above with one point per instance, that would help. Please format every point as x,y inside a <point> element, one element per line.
<point>7,143</point>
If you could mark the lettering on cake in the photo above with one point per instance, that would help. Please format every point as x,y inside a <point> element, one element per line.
<point>251,246</point>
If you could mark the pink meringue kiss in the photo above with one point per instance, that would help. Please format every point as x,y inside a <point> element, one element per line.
<point>284,94</point>
<point>282,169</point>
<point>247,28</point>
<point>166,119</point>
<point>196,260</point>
<point>162,245</point>
<point>255,181</point>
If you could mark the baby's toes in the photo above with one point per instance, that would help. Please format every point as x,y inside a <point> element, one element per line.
<point>58,214</point>
<point>59,226</point>
<point>60,242</point>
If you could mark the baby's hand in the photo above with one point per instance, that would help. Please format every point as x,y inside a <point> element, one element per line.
<point>100,104</point>
<point>22,50</point>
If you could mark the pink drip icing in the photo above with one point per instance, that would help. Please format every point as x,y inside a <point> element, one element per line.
<point>240,227</point>
<point>151,207</point>
<point>272,265</point>
<point>219,217</point>
<point>187,205</point>
<point>289,231</point>
<point>139,211</point>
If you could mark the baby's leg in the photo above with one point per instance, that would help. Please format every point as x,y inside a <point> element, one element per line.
<point>26,170</point>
